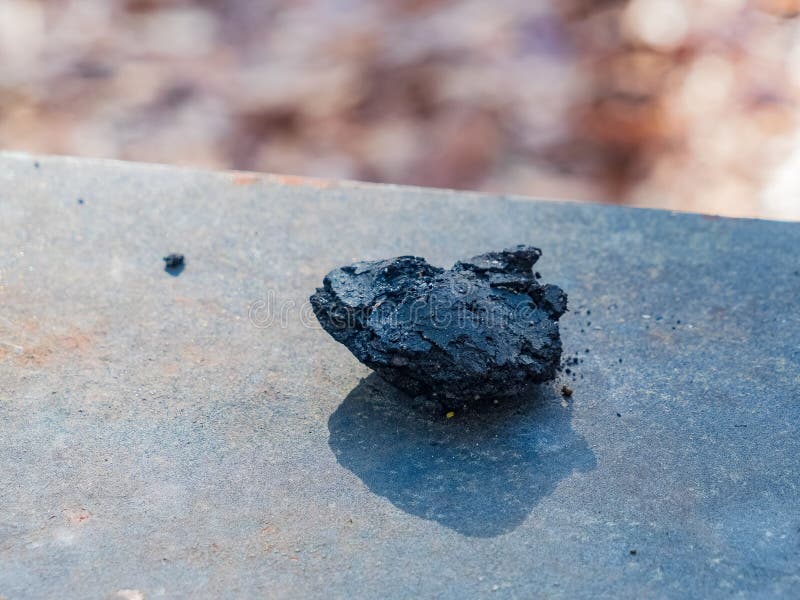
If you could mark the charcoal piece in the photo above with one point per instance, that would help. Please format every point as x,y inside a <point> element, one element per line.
<point>485,328</point>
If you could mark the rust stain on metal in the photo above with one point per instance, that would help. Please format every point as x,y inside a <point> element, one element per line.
<point>242,178</point>
<point>300,181</point>
<point>77,516</point>
<point>34,348</point>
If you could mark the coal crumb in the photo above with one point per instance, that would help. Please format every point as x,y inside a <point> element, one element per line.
<point>173,260</point>
<point>485,328</point>
<point>174,264</point>
<point>80,201</point>
<point>633,552</point>
<point>566,391</point>
<point>619,415</point>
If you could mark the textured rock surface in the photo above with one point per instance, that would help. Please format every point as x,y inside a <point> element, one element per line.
<point>484,328</point>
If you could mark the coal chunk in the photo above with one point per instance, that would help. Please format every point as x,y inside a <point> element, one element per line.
<point>485,328</point>
<point>174,264</point>
<point>173,261</point>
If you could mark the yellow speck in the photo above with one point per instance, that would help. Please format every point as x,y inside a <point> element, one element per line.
<point>450,415</point>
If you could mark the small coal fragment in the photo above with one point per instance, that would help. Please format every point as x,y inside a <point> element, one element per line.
<point>566,391</point>
<point>485,328</point>
<point>173,260</point>
<point>174,264</point>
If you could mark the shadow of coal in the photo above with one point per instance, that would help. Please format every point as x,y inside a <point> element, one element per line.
<point>480,473</point>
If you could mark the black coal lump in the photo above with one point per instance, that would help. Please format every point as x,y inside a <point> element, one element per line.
<point>173,261</point>
<point>485,328</point>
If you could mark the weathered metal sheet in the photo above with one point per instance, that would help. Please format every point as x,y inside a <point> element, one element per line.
<point>200,436</point>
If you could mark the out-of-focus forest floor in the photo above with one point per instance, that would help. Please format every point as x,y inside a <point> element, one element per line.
<point>670,103</point>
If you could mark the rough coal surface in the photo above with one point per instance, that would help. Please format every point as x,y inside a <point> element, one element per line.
<point>174,264</point>
<point>173,261</point>
<point>484,328</point>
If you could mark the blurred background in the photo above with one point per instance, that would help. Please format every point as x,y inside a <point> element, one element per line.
<point>680,104</point>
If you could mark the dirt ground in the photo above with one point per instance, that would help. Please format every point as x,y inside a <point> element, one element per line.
<point>671,103</point>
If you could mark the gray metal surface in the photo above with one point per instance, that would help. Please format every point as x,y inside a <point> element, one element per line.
<point>199,436</point>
